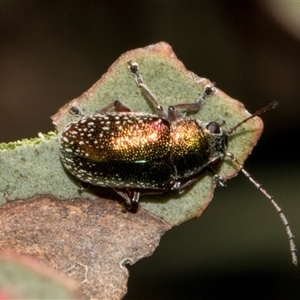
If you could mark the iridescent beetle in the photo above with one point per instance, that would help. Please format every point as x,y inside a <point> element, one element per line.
<point>138,153</point>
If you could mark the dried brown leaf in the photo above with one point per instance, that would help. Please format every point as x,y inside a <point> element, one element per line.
<point>90,240</point>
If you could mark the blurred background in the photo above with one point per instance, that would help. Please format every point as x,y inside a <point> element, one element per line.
<point>52,51</point>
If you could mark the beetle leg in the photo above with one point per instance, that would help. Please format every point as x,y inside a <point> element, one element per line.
<point>131,197</point>
<point>218,179</point>
<point>173,114</point>
<point>134,69</point>
<point>179,186</point>
<point>117,105</point>
<point>83,187</point>
<point>195,106</point>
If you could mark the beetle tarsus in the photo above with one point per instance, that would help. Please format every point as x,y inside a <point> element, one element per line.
<point>219,180</point>
<point>74,110</point>
<point>83,187</point>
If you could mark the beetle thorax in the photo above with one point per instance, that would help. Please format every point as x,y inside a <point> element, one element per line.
<point>195,145</point>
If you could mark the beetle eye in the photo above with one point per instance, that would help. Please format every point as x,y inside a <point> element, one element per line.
<point>213,127</point>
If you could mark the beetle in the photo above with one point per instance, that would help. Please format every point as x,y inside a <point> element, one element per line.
<point>137,153</point>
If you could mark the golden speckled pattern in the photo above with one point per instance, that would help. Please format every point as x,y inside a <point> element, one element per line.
<point>190,147</point>
<point>186,137</point>
<point>118,137</point>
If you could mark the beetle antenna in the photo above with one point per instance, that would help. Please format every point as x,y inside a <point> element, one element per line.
<point>278,209</point>
<point>257,113</point>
